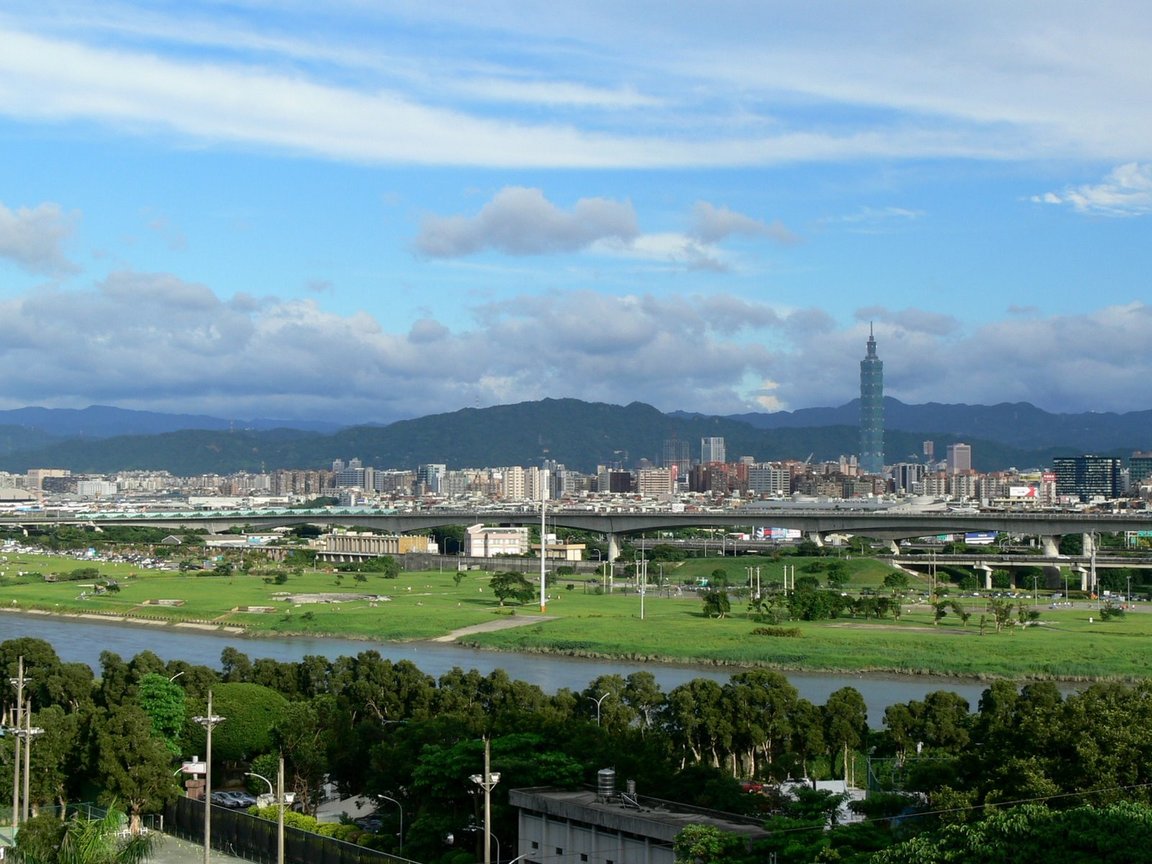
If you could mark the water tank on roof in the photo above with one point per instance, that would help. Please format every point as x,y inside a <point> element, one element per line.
<point>606,783</point>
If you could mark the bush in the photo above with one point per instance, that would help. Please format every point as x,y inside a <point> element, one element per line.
<point>785,632</point>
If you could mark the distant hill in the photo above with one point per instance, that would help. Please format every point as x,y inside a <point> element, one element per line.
<point>1018,424</point>
<point>579,434</point>
<point>103,421</point>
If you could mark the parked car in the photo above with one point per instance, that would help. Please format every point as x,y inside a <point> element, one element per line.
<point>227,798</point>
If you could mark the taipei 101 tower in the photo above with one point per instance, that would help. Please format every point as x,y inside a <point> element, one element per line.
<point>871,410</point>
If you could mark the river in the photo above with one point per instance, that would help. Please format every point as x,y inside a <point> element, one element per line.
<point>82,641</point>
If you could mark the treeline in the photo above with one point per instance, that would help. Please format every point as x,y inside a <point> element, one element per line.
<point>372,726</point>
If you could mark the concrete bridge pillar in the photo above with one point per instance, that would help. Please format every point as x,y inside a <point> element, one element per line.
<point>1051,544</point>
<point>987,570</point>
<point>816,537</point>
<point>893,547</point>
<point>613,554</point>
<point>1083,574</point>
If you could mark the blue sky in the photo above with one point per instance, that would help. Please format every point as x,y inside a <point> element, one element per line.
<point>381,210</point>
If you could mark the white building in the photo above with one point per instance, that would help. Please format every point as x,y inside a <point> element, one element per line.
<point>485,541</point>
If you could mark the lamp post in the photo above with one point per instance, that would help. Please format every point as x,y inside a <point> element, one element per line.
<point>281,799</point>
<point>208,721</point>
<point>487,781</point>
<point>400,850</point>
<point>603,696</point>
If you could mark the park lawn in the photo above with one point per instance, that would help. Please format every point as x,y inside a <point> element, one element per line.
<point>426,605</point>
<point>1066,646</point>
<point>421,605</point>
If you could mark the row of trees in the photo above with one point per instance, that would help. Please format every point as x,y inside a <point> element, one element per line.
<point>372,726</point>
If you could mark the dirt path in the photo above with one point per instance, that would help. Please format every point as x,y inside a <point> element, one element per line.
<point>498,624</point>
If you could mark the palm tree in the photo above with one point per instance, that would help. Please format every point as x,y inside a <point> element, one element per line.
<point>81,840</point>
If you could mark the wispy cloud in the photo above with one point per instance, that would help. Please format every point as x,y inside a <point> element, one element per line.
<point>610,87</point>
<point>1126,191</point>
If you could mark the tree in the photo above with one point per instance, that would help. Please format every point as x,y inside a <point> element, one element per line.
<point>511,586</point>
<point>134,763</point>
<point>896,581</point>
<point>163,701</point>
<point>718,578</point>
<point>837,574</point>
<point>250,713</point>
<point>845,723</point>
<point>1034,834</point>
<point>716,604</point>
<point>1001,611</point>
<point>704,844</point>
<point>81,840</point>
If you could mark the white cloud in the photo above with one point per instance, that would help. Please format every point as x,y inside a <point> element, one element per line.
<point>33,238</point>
<point>712,224</point>
<point>638,84</point>
<point>1126,191</point>
<point>521,221</point>
<point>719,353</point>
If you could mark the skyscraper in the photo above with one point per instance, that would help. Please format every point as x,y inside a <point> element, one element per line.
<point>871,410</point>
<point>959,458</point>
<point>712,450</point>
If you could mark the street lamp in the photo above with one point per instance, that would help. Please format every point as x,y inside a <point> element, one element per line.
<point>487,781</point>
<point>280,800</point>
<point>400,851</point>
<point>208,721</point>
<point>603,696</point>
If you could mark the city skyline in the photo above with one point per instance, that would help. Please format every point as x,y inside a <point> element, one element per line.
<point>247,209</point>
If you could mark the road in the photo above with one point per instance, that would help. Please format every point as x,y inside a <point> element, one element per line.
<point>173,850</point>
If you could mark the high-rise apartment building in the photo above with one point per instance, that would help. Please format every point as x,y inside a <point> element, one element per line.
<point>677,455</point>
<point>1087,477</point>
<point>959,458</point>
<point>1139,468</point>
<point>712,450</point>
<point>871,410</point>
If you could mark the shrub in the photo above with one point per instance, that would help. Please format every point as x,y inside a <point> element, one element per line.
<point>785,632</point>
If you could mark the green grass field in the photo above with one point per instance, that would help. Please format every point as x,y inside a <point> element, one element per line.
<point>1069,643</point>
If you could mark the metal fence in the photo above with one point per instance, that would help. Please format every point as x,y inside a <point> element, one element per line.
<point>245,836</point>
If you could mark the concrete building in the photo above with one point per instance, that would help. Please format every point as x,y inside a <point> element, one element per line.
<point>712,450</point>
<point>769,479</point>
<point>485,541</point>
<point>959,458</point>
<point>871,410</point>
<point>353,545</point>
<point>655,482</point>
<point>1087,477</point>
<point>586,827</point>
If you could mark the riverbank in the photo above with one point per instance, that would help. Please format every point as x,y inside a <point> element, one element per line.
<point>1072,644</point>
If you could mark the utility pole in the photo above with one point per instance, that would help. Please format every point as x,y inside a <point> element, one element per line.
<point>487,782</point>
<point>208,722</point>
<point>18,681</point>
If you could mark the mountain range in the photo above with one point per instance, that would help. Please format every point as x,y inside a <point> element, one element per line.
<point>582,435</point>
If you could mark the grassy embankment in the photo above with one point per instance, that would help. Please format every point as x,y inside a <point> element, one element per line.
<point>1071,643</point>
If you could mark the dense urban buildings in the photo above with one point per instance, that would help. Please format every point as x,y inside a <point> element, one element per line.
<point>872,410</point>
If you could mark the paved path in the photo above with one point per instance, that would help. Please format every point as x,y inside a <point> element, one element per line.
<point>503,623</point>
<point>173,850</point>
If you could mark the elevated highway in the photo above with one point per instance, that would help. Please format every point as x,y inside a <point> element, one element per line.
<point>890,524</point>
